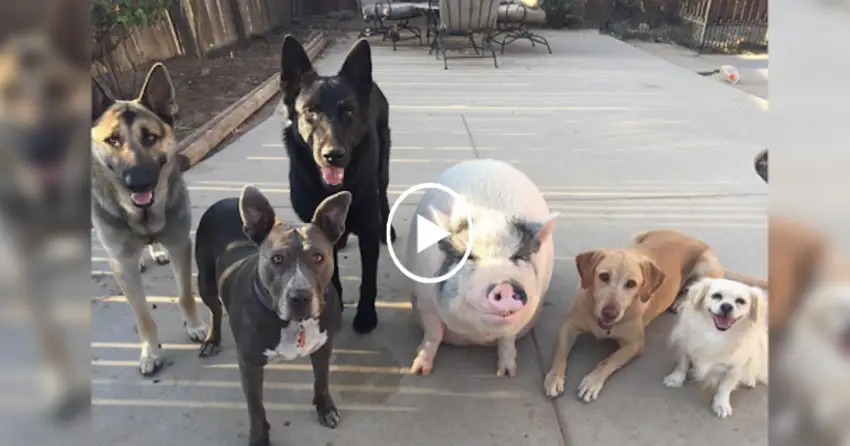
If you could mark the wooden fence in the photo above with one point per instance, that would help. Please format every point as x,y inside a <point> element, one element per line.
<point>219,28</point>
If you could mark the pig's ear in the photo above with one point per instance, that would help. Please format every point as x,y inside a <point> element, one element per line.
<point>545,229</point>
<point>441,219</point>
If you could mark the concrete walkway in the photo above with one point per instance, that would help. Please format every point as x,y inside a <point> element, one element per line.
<point>618,140</point>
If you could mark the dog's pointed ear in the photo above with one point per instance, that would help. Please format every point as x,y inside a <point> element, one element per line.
<point>258,217</point>
<point>757,305</point>
<point>158,93</point>
<point>331,214</point>
<point>357,67</point>
<point>295,65</point>
<point>586,263</point>
<point>653,278</point>
<point>697,292</point>
<point>100,101</point>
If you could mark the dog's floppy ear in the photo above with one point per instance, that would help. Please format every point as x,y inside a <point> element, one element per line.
<point>100,101</point>
<point>331,213</point>
<point>697,292</point>
<point>586,263</point>
<point>357,67</point>
<point>258,217</point>
<point>757,305</point>
<point>295,65</point>
<point>158,93</point>
<point>653,277</point>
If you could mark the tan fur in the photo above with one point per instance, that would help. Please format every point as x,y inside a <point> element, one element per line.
<point>660,263</point>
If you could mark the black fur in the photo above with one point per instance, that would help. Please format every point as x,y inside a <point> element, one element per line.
<point>340,121</point>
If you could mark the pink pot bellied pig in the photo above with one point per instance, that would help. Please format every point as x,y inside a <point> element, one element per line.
<point>496,295</point>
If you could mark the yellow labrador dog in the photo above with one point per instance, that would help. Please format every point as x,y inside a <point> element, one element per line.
<point>621,292</point>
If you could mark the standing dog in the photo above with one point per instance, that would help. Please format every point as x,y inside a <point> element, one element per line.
<point>139,199</point>
<point>275,285</point>
<point>337,137</point>
<point>721,335</point>
<point>621,291</point>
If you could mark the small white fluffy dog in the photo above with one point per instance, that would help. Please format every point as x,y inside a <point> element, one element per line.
<point>813,365</point>
<point>721,336</point>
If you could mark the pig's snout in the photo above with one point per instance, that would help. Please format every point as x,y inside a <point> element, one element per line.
<point>507,297</point>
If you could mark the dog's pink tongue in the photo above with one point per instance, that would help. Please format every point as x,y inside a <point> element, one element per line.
<point>141,198</point>
<point>723,322</point>
<point>333,175</point>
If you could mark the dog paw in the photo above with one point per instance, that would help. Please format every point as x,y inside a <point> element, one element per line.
<point>329,417</point>
<point>675,379</point>
<point>160,256</point>
<point>365,321</point>
<point>149,364</point>
<point>553,385</point>
<point>209,349</point>
<point>506,368</point>
<point>422,365</point>
<point>721,407</point>
<point>197,333</point>
<point>590,386</point>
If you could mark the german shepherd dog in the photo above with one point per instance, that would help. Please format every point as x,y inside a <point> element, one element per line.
<point>45,65</point>
<point>139,199</point>
<point>337,137</point>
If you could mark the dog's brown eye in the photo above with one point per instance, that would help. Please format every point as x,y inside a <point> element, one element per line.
<point>113,140</point>
<point>630,284</point>
<point>309,115</point>
<point>148,138</point>
<point>717,296</point>
<point>740,301</point>
<point>277,259</point>
<point>318,257</point>
<point>604,277</point>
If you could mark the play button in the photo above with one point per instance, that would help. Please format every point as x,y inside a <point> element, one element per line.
<point>427,232</point>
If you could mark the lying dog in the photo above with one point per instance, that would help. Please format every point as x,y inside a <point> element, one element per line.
<point>620,293</point>
<point>337,137</point>
<point>139,199</point>
<point>274,281</point>
<point>721,335</point>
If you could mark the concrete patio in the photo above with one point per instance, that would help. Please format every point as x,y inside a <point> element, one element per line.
<point>617,139</point>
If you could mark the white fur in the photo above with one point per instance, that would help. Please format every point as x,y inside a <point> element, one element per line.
<point>812,366</point>
<point>494,192</point>
<point>288,349</point>
<point>724,359</point>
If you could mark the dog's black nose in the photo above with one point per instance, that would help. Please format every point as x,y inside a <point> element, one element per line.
<point>140,179</point>
<point>334,154</point>
<point>299,298</point>
<point>726,308</point>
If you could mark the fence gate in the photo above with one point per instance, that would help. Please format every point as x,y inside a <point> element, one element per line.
<point>725,25</point>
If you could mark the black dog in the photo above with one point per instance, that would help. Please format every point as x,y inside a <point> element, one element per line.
<point>337,137</point>
<point>275,285</point>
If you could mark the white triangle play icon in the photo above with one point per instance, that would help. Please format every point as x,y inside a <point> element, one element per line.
<point>427,233</point>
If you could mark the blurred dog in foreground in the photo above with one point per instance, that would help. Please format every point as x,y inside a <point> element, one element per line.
<point>44,72</point>
<point>139,198</point>
<point>721,338</point>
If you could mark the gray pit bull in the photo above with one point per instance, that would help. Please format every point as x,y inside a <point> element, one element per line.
<point>273,278</point>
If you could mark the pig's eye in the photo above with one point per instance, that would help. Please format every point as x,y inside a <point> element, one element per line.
<point>604,277</point>
<point>473,257</point>
<point>521,257</point>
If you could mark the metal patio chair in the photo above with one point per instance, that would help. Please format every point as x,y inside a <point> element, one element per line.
<point>466,19</point>
<point>389,20</point>
<point>515,19</point>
